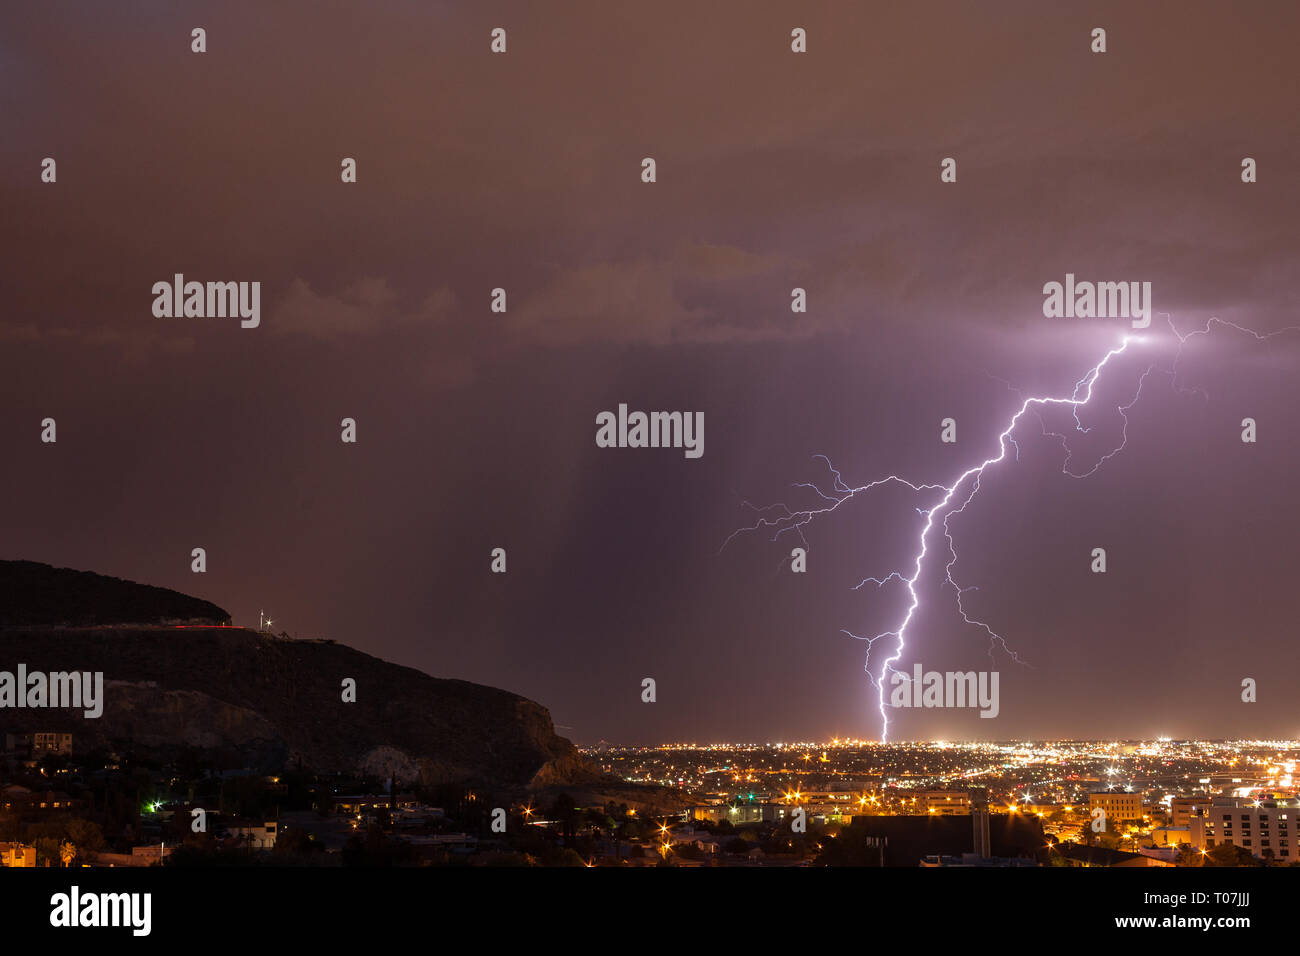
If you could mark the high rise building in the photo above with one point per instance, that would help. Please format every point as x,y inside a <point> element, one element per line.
<point>1182,809</point>
<point>1118,805</point>
<point>979,816</point>
<point>1266,827</point>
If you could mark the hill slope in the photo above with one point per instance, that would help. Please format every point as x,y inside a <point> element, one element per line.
<point>36,595</point>
<point>248,699</point>
<point>255,700</point>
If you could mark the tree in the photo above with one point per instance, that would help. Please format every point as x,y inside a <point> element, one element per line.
<point>1229,854</point>
<point>294,841</point>
<point>565,810</point>
<point>737,845</point>
<point>1111,841</point>
<point>47,850</point>
<point>86,835</point>
<point>1189,856</point>
<point>1086,834</point>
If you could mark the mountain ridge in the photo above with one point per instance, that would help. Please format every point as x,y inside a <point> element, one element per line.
<point>33,594</point>
<point>245,698</point>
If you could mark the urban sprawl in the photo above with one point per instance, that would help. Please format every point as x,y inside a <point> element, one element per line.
<point>843,802</point>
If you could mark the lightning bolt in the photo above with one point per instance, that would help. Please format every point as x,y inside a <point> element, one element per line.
<point>952,499</point>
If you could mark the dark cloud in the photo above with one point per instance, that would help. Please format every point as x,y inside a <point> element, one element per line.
<point>774,171</point>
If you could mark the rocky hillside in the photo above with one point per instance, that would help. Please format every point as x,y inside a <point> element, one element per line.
<point>250,699</point>
<point>33,594</point>
<point>255,700</point>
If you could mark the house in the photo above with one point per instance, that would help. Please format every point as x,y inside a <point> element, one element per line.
<point>249,833</point>
<point>150,854</point>
<point>51,743</point>
<point>1076,854</point>
<point>358,804</point>
<point>40,743</point>
<point>17,854</point>
<point>16,798</point>
<point>702,840</point>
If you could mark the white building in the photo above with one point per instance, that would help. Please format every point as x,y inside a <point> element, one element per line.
<point>255,836</point>
<point>1265,827</point>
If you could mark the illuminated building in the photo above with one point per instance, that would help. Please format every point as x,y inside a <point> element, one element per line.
<point>17,854</point>
<point>39,743</point>
<point>947,803</point>
<point>52,743</point>
<point>1073,854</point>
<point>1182,809</point>
<point>738,814</point>
<point>1266,827</point>
<point>1192,835</point>
<point>1118,805</point>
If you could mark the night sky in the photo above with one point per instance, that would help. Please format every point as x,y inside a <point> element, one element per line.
<point>476,430</point>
